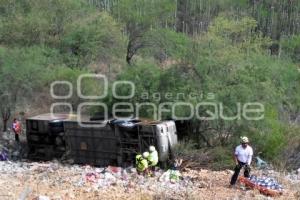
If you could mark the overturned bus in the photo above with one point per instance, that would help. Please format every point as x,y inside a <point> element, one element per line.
<point>97,142</point>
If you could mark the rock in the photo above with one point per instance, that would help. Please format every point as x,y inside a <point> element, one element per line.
<point>203,184</point>
<point>297,195</point>
<point>24,194</point>
<point>132,170</point>
<point>109,177</point>
<point>99,170</point>
<point>57,198</point>
<point>231,172</point>
<point>71,195</point>
<point>68,161</point>
<point>113,170</point>
<point>42,197</point>
<point>16,153</point>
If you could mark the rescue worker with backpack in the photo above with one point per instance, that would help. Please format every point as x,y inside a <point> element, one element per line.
<point>141,163</point>
<point>152,158</point>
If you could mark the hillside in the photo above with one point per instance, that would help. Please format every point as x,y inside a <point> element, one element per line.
<point>221,69</point>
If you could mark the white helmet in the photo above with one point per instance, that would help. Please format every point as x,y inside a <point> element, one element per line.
<point>146,154</point>
<point>244,139</point>
<point>152,148</point>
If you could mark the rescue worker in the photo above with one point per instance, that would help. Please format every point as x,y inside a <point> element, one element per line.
<point>141,162</point>
<point>243,158</point>
<point>16,127</point>
<point>152,158</point>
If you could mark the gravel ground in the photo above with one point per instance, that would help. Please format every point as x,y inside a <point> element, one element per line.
<point>51,180</point>
<point>25,180</point>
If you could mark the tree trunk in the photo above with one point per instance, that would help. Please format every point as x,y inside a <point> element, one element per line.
<point>5,112</point>
<point>133,46</point>
<point>182,15</point>
<point>130,53</point>
<point>5,125</point>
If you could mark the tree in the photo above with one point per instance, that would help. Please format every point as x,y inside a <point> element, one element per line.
<point>82,34</point>
<point>5,109</point>
<point>31,23</point>
<point>166,44</point>
<point>21,75</point>
<point>234,63</point>
<point>139,17</point>
<point>94,38</point>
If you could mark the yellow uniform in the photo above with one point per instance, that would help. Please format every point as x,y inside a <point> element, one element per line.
<point>141,163</point>
<point>153,158</point>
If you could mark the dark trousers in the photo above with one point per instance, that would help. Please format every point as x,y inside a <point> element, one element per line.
<point>17,137</point>
<point>237,170</point>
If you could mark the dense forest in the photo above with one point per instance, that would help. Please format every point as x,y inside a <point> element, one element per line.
<point>239,50</point>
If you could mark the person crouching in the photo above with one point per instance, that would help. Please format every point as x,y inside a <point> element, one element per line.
<point>141,163</point>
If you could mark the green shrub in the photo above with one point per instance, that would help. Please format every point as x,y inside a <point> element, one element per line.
<point>222,158</point>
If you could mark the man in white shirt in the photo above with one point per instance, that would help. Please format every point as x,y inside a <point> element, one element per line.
<point>243,158</point>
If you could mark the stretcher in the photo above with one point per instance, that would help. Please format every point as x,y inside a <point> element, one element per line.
<point>264,190</point>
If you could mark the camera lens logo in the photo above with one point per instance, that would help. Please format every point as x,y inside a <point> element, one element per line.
<point>63,100</point>
<point>202,110</point>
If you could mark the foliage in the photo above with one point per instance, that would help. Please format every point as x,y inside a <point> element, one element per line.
<point>222,158</point>
<point>241,51</point>
<point>139,17</point>
<point>81,33</point>
<point>164,44</point>
<point>233,63</point>
<point>96,37</point>
<point>23,71</point>
<point>291,46</point>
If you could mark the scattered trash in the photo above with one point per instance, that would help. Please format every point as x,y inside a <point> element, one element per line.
<point>21,179</point>
<point>53,180</point>
<point>114,170</point>
<point>293,177</point>
<point>41,197</point>
<point>260,164</point>
<point>91,177</point>
<point>24,194</point>
<point>4,155</point>
<point>170,176</point>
